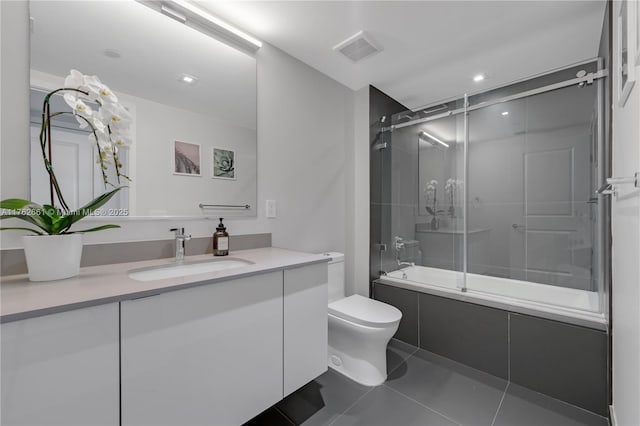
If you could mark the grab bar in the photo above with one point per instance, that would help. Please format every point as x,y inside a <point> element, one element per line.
<point>228,206</point>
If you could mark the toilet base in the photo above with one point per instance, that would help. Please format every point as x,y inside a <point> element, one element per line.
<point>367,374</point>
<point>359,352</point>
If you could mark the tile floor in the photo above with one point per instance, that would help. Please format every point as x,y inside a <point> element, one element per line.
<point>422,389</point>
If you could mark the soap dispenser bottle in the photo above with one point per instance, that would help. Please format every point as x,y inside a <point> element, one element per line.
<point>221,241</point>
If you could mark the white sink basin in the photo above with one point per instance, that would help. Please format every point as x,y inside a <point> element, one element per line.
<point>187,268</point>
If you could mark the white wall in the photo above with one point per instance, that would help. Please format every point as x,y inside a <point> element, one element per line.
<point>625,217</point>
<point>14,64</point>
<point>357,248</point>
<point>304,127</point>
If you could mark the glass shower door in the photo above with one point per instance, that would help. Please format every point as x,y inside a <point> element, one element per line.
<point>531,186</point>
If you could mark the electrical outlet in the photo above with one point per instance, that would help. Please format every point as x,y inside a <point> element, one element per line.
<point>271,208</point>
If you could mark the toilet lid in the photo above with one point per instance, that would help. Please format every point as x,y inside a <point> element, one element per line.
<point>365,311</point>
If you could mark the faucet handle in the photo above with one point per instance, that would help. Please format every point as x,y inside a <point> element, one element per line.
<point>179,232</point>
<point>398,242</point>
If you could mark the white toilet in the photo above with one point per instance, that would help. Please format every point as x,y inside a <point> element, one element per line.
<point>359,330</point>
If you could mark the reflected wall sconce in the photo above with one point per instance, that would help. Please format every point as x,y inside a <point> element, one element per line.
<point>430,139</point>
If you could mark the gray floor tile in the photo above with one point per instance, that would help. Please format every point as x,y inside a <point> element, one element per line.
<point>397,353</point>
<point>467,396</point>
<point>270,417</point>
<point>524,407</point>
<point>383,406</point>
<point>322,400</point>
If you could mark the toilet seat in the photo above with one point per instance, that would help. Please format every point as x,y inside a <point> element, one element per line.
<point>364,311</point>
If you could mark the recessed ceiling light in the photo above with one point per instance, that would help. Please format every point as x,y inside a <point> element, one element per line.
<point>478,78</point>
<point>505,112</point>
<point>112,53</point>
<point>188,79</point>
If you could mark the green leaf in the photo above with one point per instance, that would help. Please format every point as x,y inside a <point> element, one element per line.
<point>22,229</point>
<point>50,211</point>
<point>53,216</point>
<point>87,209</point>
<point>430,211</point>
<point>97,228</point>
<point>34,219</point>
<point>18,204</point>
<point>28,211</point>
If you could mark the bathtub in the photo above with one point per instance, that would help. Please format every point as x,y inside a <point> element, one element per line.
<point>568,305</point>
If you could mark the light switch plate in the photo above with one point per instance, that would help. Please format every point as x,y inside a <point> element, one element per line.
<point>271,208</point>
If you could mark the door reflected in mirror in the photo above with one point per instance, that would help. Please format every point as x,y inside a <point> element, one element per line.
<point>180,86</point>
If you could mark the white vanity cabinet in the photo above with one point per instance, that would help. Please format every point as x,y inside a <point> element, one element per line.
<point>61,369</point>
<point>206,355</point>
<point>214,353</point>
<point>305,325</point>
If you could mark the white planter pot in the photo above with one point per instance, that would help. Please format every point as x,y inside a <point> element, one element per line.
<point>52,257</point>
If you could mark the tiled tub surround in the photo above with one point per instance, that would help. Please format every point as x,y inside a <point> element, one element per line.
<point>97,285</point>
<point>563,361</point>
<point>12,261</point>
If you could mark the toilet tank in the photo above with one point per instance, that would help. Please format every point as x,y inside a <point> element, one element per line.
<point>336,275</point>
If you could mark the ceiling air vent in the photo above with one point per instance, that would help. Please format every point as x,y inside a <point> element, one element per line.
<point>357,47</point>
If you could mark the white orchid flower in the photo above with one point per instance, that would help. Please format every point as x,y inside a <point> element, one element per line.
<point>115,114</point>
<point>98,124</point>
<point>100,90</point>
<point>434,182</point>
<point>77,105</point>
<point>75,80</point>
<point>121,140</point>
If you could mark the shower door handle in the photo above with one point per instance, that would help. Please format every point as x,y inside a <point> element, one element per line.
<point>609,187</point>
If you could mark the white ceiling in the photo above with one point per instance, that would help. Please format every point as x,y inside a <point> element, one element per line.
<point>432,49</point>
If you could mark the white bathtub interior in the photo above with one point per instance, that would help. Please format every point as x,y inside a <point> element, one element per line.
<point>578,307</point>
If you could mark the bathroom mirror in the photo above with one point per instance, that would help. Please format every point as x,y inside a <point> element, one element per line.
<point>192,98</point>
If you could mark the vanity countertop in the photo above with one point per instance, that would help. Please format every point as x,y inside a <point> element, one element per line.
<point>96,285</point>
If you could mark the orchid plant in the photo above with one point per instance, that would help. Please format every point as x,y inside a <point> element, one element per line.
<point>451,190</point>
<point>430,196</point>
<point>110,129</point>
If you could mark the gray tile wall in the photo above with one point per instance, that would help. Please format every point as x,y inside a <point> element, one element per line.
<point>470,334</point>
<point>407,302</point>
<point>564,361</point>
<point>380,181</point>
<point>13,262</point>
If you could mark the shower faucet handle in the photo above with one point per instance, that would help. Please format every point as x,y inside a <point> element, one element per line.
<point>398,243</point>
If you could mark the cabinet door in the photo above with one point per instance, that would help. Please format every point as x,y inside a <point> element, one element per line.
<point>305,325</point>
<point>62,369</point>
<point>209,355</point>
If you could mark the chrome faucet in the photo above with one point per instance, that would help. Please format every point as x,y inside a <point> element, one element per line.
<point>179,241</point>
<point>398,242</point>
<point>401,264</point>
